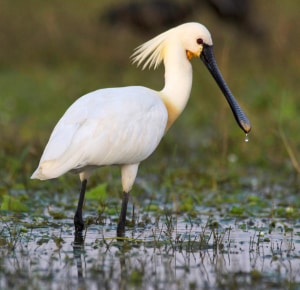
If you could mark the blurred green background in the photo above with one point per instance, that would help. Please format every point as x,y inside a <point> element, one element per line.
<point>52,52</point>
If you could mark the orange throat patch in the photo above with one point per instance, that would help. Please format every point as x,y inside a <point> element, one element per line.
<point>172,114</point>
<point>189,54</point>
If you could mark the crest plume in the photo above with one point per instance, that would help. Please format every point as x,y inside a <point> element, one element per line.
<point>151,53</point>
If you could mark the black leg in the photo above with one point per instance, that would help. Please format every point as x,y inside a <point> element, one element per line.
<point>78,220</point>
<point>122,218</point>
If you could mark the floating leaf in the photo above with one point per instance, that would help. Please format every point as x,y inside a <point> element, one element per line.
<point>236,210</point>
<point>13,204</point>
<point>97,193</point>
<point>57,214</point>
<point>153,207</point>
<point>186,205</point>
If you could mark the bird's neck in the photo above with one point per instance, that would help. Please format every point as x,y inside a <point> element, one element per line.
<point>178,84</point>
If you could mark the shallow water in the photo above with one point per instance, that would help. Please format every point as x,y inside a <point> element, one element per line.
<point>171,252</point>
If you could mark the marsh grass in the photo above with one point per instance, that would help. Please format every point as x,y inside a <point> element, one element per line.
<point>173,252</point>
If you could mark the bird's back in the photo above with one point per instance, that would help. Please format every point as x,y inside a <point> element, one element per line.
<point>105,127</point>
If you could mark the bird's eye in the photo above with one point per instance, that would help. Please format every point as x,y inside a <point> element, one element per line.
<point>200,41</point>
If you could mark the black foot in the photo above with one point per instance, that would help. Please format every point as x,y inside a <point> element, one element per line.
<point>78,240</point>
<point>78,220</point>
<point>121,229</point>
<point>122,218</point>
<point>78,223</point>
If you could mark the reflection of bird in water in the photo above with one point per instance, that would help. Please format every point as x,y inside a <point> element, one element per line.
<point>152,15</point>
<point>78,250</point>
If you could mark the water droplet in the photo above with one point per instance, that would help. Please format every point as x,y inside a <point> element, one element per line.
<point>246,138</point>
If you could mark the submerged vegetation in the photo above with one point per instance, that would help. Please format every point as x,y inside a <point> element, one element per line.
<point>214,249</point>
<point>211,211</point>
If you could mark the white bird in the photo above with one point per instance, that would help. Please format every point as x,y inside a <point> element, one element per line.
<point>123,126</point>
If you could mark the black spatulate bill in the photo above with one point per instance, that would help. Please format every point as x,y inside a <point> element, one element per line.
<point>208,58</point>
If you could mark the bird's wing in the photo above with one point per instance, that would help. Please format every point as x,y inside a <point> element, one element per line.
<point>109,126</point>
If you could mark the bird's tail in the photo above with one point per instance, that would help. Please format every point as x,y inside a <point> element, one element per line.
<point>46,170</point>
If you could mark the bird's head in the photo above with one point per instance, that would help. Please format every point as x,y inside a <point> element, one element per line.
<point>195,40</point>
<point>193,37</point>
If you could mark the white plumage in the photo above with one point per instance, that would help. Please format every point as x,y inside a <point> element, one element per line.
<point>99,130</point>
<point>123,126</point>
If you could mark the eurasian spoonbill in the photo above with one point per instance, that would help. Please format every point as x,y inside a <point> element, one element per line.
<point>123,126</point>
